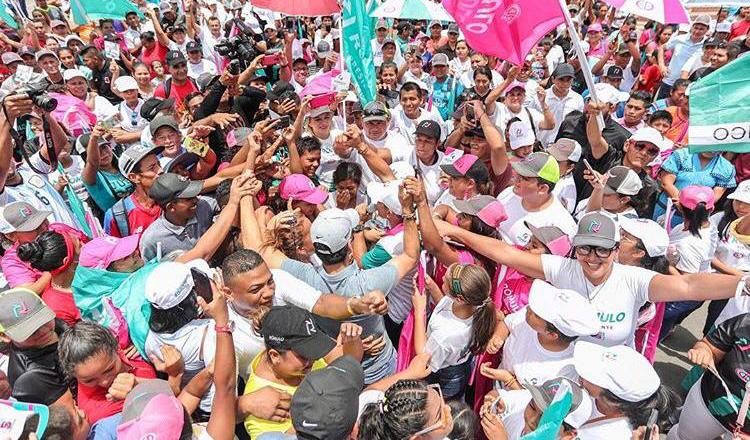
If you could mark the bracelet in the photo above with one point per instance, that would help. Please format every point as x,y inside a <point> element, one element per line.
<point>349,306</point>
<point>412,216</point>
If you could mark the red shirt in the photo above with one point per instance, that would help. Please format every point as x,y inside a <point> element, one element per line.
<point>178,92</point>
<point>158,53</point>
<point>62,303</point>
<point>652,75</point>
<point>93,400</point>
<point>738,29</point>
<point>139,217</point>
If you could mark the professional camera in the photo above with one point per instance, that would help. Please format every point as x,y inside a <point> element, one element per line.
<point>241,46</point>
<point>38,94</point>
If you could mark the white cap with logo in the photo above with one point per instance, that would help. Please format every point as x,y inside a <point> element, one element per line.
<point>567,310</point>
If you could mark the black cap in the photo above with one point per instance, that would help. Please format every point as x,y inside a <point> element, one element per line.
<point>713,42</point>
<point>258,76</point>
<point>279,89</point>
<point>325,404</point>
<point>193,46</point>
<point>296,329</point>
<point>175,57</point>
<point>429,128</point>
<point>153,106</point>
<point>206,80</point>
<point>169,187</point>
<point>403,25</point>
<point>614,72</point>
<point>563,70</point>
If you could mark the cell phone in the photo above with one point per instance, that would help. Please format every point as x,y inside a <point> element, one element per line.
<point>284,122</point>
<point>652,418</point>
<point>469,112</point>
<point>202,285</point>
<point>322,100</point>
<point>588,165</point>
<point>270,60</point>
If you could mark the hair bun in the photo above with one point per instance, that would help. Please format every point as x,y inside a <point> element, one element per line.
<point>31,252</point>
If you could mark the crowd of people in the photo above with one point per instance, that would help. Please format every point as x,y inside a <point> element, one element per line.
<point>199,243</point>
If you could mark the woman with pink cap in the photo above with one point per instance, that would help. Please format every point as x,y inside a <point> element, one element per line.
<point>695,241</point>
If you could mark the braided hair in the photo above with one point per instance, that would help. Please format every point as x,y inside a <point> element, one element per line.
<point>401,414</point>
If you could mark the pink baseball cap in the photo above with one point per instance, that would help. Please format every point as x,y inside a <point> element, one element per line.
<point>468,166</point>
<point>100,252</point>
<point>596,27</point>
<point>151,422</point>
<point>514,85</point>
<point>487,208</point>
<point>300,187</point>
<point>691,195</point>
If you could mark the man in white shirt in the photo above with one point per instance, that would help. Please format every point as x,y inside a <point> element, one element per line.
<point>530,199</point>
<point>409,113</point>
<point>683,47</point>
<point>132,35</point>
<point>252,288</point>
<point>562,101</point>
<point>196,64</point>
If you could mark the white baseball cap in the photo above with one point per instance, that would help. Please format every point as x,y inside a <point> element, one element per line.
<point>566,309</point>
<point>69,74</point>
<point>649,134</point>
<point>125,83</point>
<point>742,192</point>
<point>385,193</point>
<point>620,369</point>
<point>654,237</point>
<point>520,135</point>
<point>171,282</point>
<point>607,93</point>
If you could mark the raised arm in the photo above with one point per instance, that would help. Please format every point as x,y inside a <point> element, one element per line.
<point>376,163</point>
<point>433,242</point>
<point>161,36</point>
<point>599,145</point>
<point>693,287</point>
<point>406,261</point>
<point>13,107</point>
<point>549,118</point>
<point>491,100</point>
<point>498,151</point>
<point>91,166</point>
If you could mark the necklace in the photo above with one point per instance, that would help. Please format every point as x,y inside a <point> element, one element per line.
<point>59,287</point>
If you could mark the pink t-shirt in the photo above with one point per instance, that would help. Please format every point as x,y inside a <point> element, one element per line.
<point>19,272</point>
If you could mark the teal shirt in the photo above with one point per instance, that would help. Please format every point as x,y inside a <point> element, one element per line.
<point>444,97</point>
<point>106,183</point>
<point>375,257</point>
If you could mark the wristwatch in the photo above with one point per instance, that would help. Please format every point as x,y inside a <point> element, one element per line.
<point>229,328</point>
<point>357,229</point>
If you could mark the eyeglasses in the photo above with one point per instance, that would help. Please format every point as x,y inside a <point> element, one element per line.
<point>441,419</point>
<point>600,252</point>
<point>651,150</point>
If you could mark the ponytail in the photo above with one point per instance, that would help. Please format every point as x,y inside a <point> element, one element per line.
<point>401,413</point>
<point>472,284</point>
<point>46,253</point>
<point>695,218</point>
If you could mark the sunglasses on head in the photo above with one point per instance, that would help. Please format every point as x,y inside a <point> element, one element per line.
<point>600,252</point>
<point>651,150</point>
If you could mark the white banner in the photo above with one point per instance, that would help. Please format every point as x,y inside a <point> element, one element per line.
<point>728,133</point>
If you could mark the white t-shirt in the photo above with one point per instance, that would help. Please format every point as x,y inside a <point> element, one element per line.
<point>407,126</point>
<point>617,300</point>
<point>448,336</point>
<point>329,160</point>
<point>729,250</point>
<point>611,429</point>
<point>503,115</point>
<point>514,229</point>
<point>565,191</point>
<point>247,343</point>
<point>695,253</point>
<point>694,63</point>
<point>515,403</point>
<point>525,357</point>
<point>204,66</point>
<point>394,142</point>
<point>128,116</point>
<point>430,176</point>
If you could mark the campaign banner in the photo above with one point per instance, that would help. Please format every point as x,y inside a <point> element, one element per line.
<point>720,111</point>
<point>358,50</point>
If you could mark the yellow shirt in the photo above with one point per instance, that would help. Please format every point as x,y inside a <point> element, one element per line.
<point>255,426</point>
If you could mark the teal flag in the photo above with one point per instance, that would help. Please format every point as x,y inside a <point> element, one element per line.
<point>720,110</point>
<point>552,419</point>
<point>357,49</point>
<point>86,11</point>
<point>6,17</point>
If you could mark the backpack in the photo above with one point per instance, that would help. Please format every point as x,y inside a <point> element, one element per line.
<point>120,214</point>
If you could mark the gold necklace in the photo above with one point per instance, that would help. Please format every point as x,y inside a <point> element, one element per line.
<point>59,287</point>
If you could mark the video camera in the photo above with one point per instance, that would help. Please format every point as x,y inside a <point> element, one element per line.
<point>240,48</point>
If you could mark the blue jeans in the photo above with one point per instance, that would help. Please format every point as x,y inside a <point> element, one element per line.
<point>674,313</point>
<point>452,380</point>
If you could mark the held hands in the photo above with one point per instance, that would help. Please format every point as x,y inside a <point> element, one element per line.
<point>172,364</point>
<point>415,188</point>
<point>350,338</point>
<point>374,303</point>
<point>498,374</point>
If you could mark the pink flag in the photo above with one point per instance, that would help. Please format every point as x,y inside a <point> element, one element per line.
<point>73,113</point>
<point>300,7</point>
<point>320,84</point>
<point>508,29</point>
<point>662,11</point>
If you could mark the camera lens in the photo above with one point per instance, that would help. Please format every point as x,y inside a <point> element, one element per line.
<point>45,102</point>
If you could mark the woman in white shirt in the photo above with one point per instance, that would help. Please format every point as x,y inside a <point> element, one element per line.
<point>460,325</point>
<point>461,64</point>
<point>616,291</point>
<point>695,241</point>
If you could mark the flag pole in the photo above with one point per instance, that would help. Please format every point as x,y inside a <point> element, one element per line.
<point>583,61</point>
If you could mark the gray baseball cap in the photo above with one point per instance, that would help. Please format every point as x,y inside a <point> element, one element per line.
<point>622,180</point>
<point>440,59</point>
<point>22,312</point>
<point>163,121</point>
<point>141,395</point>
<point>130,157</point>
<point>23,217</point>
<point>170,186</point>
<point>597,229</point>
<point>332,230</point>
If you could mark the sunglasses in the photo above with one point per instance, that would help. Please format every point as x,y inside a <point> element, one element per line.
<point>441,419</point>
<point>600,252</point>
<point>651,150</point>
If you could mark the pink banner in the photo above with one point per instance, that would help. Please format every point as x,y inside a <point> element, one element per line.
<point>508,29</point>
<point>300,7</point>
